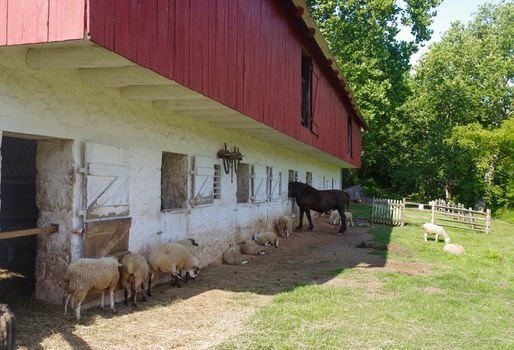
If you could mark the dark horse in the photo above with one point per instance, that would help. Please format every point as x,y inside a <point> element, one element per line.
<point>308,198</point>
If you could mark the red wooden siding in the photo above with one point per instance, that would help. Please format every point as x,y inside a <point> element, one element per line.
<point>244,54</point>
<point>41,21</point>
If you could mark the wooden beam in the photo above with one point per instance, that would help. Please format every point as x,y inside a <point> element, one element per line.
<point>87,56</point>
<point>190,104</point>
<point>226,112</point>
<point>160,92</point>
<point>249,124</point>
<point>121,77</point>
<point>29,232</point>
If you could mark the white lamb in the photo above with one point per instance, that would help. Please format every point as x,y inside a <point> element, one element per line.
<point>456,249</point>
<point>284,225</point>
<point>432,229</point>
<point>349,218</point>
<point>266,239</point>
<point>134,271</point>
<point>249,247</point>
<point>85,275</point>
<point>232,256</point>
<point>170,258</point>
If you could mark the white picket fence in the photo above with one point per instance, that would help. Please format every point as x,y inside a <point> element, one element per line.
<point>399,212</point>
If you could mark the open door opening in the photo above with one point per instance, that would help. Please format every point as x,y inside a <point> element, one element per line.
<point>18,211</point>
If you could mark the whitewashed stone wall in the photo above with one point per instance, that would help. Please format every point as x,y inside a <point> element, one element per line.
<point>57,104</point>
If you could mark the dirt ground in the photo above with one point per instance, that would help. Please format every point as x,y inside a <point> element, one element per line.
<point>213,308</point>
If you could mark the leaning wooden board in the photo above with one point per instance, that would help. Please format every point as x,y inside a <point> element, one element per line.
<point>105,238</point>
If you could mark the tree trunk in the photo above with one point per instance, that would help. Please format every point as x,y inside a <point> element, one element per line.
<point>7,328</point>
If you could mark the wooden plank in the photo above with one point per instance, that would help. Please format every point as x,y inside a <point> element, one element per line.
<point>147,31</point>
<point>160,59</point>
<point>171,37</point>
<point>108,24</point>
<point>27,21</point>
<point>212,88</point>
<point>29,232</point>
<point>97,13</point>
<point>240,13</point>
<point>182,38</point>
<point>122,27</point>
<point>133,30</point>
<point>66,20</point>
<point>198,43</point>
<point>105,238</point>
<point>3,22</point>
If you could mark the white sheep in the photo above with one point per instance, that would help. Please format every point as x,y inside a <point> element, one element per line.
<point>189,243</point>
<point>266,239</point>
<point>249,247</point>
<point>284,225</point>
<point>432,229</point>
<point>456,249</point>
<point>87,274</point>
<point>232,256</point>
<point>134,271</point>
<point>170,258</point>
<point>335,218</point>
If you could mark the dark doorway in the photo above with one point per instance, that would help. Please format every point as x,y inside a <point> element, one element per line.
<point>18,211</point>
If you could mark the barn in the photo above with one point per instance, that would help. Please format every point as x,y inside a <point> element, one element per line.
<point>113,114</point>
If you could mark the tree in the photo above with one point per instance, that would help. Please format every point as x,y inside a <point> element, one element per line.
<point>363,38</point>
<point>462,92</point>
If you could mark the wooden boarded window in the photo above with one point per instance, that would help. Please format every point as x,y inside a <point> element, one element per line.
<point>308,178</point>
<point>203,181</point>
<point>243,183</point>
<point>259,184</point>
<point>306,90</point>
<point>174,180</point>
<point>216,187</point>
<point>292,175</point>
<point>275,184</point>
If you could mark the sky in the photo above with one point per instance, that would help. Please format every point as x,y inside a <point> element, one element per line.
<point>449,11</point>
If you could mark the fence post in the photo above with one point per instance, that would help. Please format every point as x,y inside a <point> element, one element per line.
<point>402,213</point>
<point>488,221</point>
<point>433,212</point>
<point>372,210</point>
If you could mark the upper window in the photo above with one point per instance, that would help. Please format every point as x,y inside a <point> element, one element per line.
<point>306,90</point>
<point>350,142</point>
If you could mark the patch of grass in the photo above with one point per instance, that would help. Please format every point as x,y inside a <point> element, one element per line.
<point>471,308</point>
<point>360,211</point>
<point>324,261</point>
<point>505,215</point>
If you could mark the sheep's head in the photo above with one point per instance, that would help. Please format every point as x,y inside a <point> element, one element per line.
<point>194,272</point>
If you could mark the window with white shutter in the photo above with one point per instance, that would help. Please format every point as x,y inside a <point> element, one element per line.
<point>203,181</point>
<point>259,184</point>
<point>275,186</point>
<point>216,187</point>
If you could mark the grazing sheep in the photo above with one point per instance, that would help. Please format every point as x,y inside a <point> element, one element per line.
<point>432,229</point>
<point>86,274</point>
<point>170,258</point>
<point>232,256</point>
<point>284,225</point>
<point>134,270</point>
<point>249,247</point>
<point>266,239</point>
<point>189,243</point>
<point>456,249</point>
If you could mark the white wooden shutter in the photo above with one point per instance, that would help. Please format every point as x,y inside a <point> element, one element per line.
<point>107,182</point>
<point>203,193</point>
<point>259,184</point>
<point>275,186</point>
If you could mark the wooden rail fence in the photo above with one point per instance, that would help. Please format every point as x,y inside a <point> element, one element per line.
<point>400,212</point>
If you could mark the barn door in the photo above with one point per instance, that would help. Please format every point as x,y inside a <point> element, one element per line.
<point>107,200</point>
<point>259,181</point>
<point>203,181</point>
<point>275,187</point>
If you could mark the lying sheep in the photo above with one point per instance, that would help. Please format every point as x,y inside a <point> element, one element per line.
<point>232,256</point>
<point>134,270</point>
<point>170,258</point>
<point>85,275</point>
<point>266,239</point>
<point>335,218</point>
<point>456,249</point>
<point>249,247</point>
<point>284,225</point>
<point>432,229</point>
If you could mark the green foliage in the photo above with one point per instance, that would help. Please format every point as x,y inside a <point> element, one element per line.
<point>457,124</point>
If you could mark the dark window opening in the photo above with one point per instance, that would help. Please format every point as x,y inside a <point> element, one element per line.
<point>350,141</point>
<point>174,181</point>
<point>306,90</point>
<point>243,183</point>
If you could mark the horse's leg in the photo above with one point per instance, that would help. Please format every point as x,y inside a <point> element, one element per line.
<point>308,213</point>
<point>300,224</point>
<point>343,220</point>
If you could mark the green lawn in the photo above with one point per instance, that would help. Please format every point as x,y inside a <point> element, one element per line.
<point>465,302</point>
